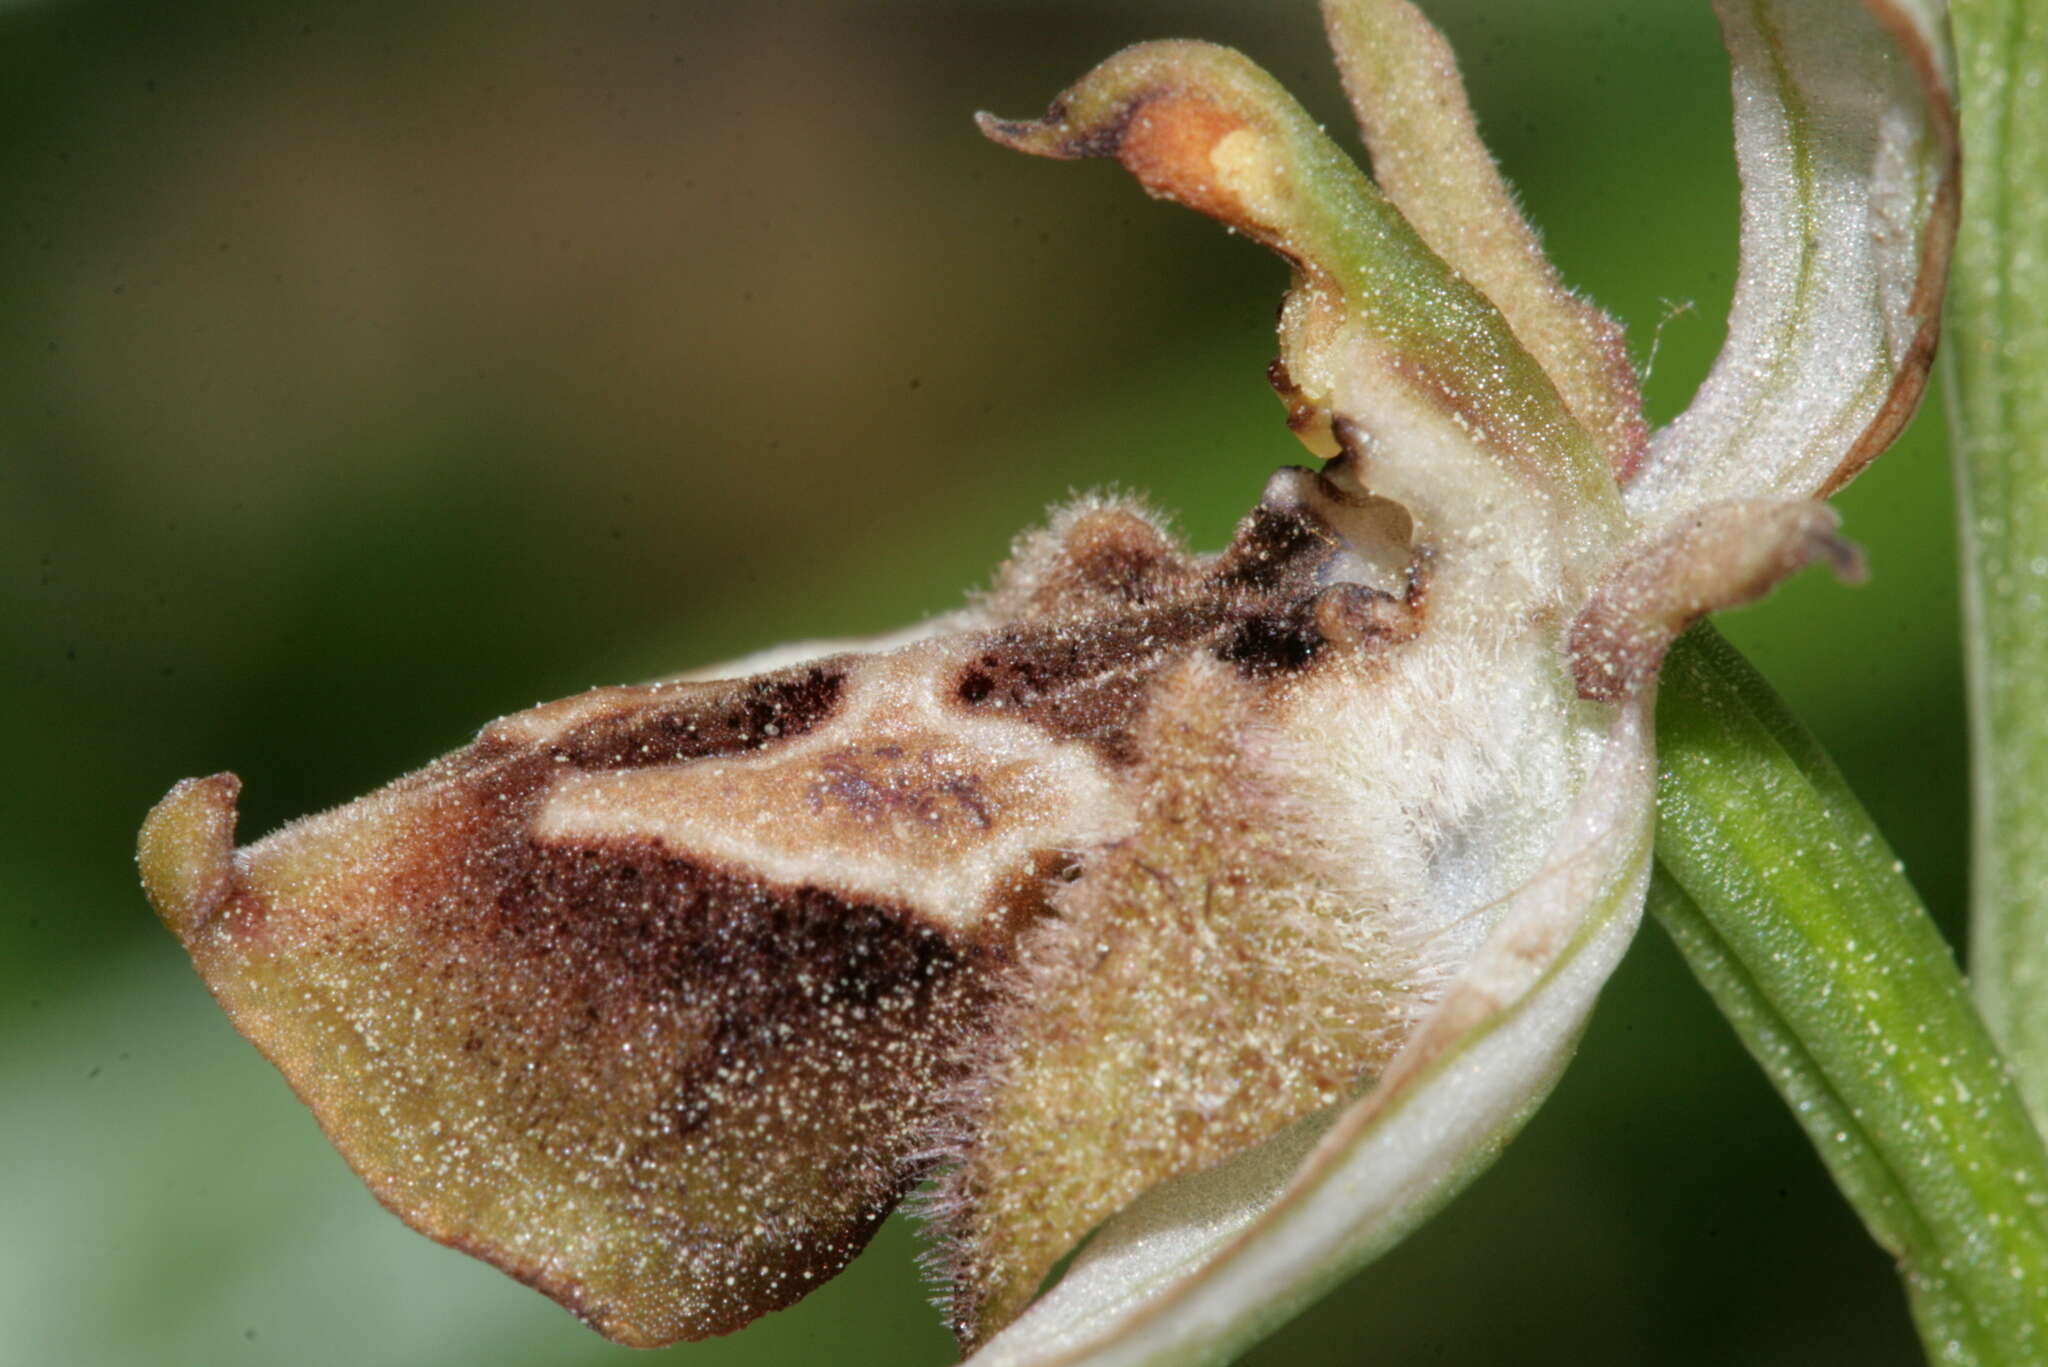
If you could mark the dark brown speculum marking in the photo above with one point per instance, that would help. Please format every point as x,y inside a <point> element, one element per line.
<point>704,721</point>
<point>772,974</point>
<point>1084,680</point>
<point>1275,643</point>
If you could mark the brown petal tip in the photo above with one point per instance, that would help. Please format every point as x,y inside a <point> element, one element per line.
<point>1098,114</point>
<point>1047,137</point>
<point>187,852</point>
<point>1719,557</point>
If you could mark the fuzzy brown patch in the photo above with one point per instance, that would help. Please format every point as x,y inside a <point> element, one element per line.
<point>1201,990</point>
<point>1107,560</point>
<point>1110,610</point>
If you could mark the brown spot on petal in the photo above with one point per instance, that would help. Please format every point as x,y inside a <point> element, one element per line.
<point>1307,419</point>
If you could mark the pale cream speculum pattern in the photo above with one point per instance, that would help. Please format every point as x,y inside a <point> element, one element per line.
<point>903,797</point>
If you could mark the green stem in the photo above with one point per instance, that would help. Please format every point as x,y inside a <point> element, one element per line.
<point>1997,358</point>
<point>1796,916</point>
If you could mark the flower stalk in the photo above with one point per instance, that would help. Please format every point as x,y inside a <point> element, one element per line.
<point>1998,403</point>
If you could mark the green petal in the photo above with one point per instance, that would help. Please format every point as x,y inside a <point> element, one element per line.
<point>1428,159</point>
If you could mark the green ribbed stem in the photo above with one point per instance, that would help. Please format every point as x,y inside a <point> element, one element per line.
<point>1997,361</point>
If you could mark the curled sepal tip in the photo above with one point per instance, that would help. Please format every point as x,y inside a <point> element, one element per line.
<point>1427,157</point>
<point>1203,126</point>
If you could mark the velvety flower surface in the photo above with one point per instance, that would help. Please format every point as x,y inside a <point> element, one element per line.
<point>1232,909</point>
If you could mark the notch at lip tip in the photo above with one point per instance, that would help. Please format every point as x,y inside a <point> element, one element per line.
<point>187,852</point>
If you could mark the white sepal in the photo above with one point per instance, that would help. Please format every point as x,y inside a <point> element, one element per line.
<point>1845,139</point>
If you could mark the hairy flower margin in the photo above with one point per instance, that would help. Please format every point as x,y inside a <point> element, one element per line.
<point>1489,469</point>
<point>1428,339</point>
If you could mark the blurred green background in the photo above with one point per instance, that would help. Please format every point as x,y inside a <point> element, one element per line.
<point>370,370</point>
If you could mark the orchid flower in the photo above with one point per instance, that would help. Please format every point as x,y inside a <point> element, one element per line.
<point>1230,910</point>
